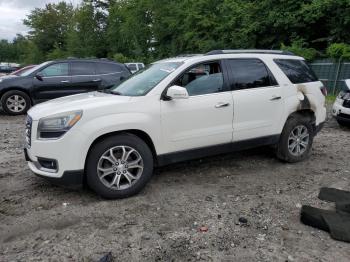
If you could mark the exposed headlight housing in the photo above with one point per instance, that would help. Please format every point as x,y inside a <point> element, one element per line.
<point>344,95</point>
<point>54,127</point>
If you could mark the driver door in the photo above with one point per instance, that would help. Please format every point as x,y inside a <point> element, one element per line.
<point>205,118</point>
<point>55,82</point>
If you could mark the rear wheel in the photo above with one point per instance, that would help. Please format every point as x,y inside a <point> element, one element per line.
<point>296,139</point>
<point>119,166</point>
<point>15,102</point>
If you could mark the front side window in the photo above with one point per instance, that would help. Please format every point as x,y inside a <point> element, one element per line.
<point>59,69</point>
<point>143,81</point>
<point>249,73</point>
<point>202,79</point>
<point>296,70</point>
<point>82,68</point>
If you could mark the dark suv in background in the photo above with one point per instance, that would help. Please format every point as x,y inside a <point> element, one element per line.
<point>58,78</point>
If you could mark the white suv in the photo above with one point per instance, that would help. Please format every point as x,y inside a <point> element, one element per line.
<point>341,106</point>
<point>177,109</point>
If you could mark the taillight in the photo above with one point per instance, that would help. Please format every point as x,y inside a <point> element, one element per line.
<point>324,91</point>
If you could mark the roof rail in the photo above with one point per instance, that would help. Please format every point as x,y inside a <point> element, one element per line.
<point>188,55</point>
<point>249,51</point>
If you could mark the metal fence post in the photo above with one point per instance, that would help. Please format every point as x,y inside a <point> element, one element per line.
<point>336,76</point>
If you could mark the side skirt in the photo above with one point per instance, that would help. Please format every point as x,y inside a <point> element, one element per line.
<point>180,156</point>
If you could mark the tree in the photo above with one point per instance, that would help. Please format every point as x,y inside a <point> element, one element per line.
<point>150,29</point>
<point>87,37</point>
<point>50,25</point>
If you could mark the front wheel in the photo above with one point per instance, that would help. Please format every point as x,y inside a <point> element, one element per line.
<point>119,166</point>
<point>15,102</point>
<point>296,139</point>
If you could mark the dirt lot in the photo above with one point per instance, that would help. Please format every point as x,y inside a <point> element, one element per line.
<point>39,221</point>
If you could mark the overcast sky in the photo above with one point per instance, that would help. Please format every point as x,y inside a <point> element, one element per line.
<point>12,13</point>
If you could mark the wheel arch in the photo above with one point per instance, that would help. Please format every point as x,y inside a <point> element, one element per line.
<point>139,133</point>
<point>306,113</point>
<point>17,88</point>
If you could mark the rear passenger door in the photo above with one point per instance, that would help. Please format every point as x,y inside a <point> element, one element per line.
<point>257,99</point>
<point>111,73</point>
<point>84,77</point>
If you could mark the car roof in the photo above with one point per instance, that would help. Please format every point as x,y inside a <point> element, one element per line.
<point>99,60</point>
<point>222,54</point>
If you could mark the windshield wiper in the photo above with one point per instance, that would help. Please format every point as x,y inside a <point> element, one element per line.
<point>108,91</point>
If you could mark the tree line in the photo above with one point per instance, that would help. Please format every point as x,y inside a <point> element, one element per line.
<point>146,30</point>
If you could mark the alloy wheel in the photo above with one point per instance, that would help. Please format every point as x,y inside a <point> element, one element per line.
<point>16,103</point>
<point>298,140</point>
<point>120,167</point>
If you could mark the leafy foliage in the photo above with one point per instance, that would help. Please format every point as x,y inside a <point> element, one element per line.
<point>298,48</point>
<point>145,30</point>
<point>339,50</point>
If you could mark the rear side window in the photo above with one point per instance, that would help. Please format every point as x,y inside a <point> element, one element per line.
<point>108,68</point>
<point>82,68</point>
<point>296,70</point>
<point>250,73</point>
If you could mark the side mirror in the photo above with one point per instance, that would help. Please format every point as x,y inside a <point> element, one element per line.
<point>39,76</point>
<point>177,92</point>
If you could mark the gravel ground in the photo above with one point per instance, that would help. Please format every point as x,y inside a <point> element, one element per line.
<point>39,221</point>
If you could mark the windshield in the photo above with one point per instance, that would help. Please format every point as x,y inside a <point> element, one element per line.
<point>143,81</point>
<point>28,72</point>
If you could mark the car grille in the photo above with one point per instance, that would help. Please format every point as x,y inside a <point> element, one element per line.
<point>346,103</point>
<point>28,131</point>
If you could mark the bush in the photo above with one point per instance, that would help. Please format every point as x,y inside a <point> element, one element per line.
<point>339,50</point>
<point>298,48</point>
<point>120,58</point>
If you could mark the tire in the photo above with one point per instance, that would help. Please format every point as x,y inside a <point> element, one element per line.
<point>115,169</point>
<point>15,102</point>
<point>343,123</point>
<point>285,149</point>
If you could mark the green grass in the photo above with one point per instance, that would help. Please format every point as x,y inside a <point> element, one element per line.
<point>331,98</point>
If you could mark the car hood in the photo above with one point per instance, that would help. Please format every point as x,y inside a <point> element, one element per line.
<point>85,102</point>
<point>7,77</point>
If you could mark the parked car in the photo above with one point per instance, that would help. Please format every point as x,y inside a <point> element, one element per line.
<point>5,69</point>
<point>341,106</point>
<point>59,78</point>
<point>177,109</point>
<point>134,67</point>
<point>22,70</point>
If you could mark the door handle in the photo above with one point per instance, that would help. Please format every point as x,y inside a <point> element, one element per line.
<point>275,98</point>
<point>96,80</point>
<point>65,81</point>
<point>221,104</point>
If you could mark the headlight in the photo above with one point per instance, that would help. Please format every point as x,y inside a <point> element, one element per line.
<point>344,95</point>
<point>56,126</point>
<point>0,80</point>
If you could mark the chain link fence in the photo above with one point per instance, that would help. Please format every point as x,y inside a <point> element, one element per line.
<point>332,73</point>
